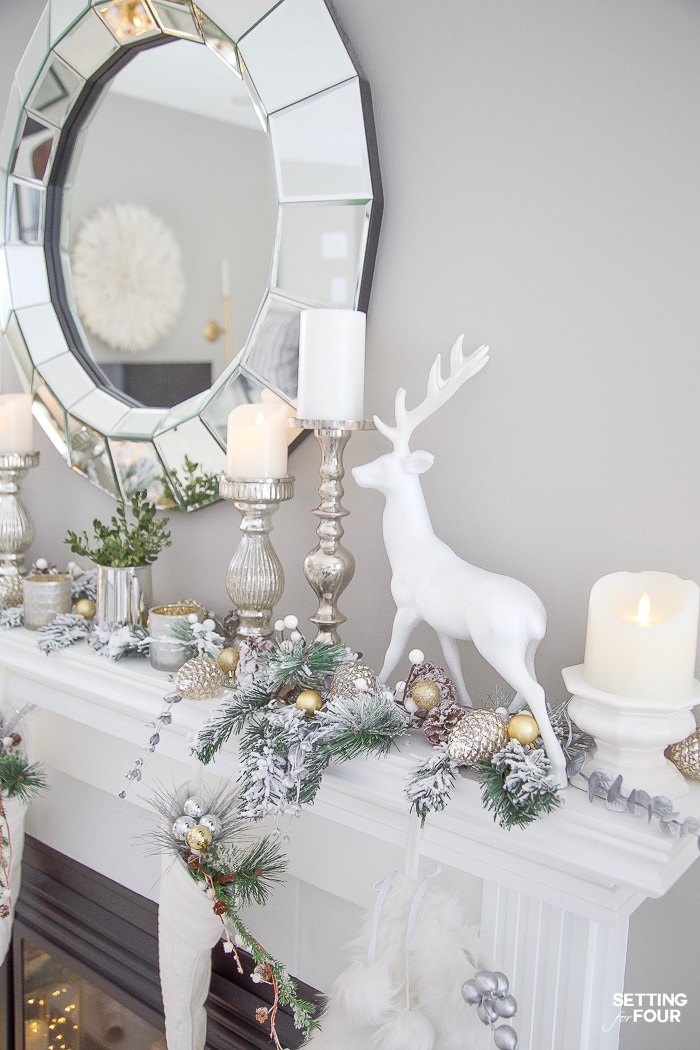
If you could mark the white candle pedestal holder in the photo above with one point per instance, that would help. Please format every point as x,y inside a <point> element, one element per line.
<point>255,580</point>
<point>631,734</point>
<point>329,567</point>
<point>16,526</point>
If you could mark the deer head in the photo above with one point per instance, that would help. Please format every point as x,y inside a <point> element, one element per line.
<point>381,473</point>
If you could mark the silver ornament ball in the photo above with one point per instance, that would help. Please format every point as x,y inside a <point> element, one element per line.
<point>470,993</point>
<point>502,984</point>
<point>506,1006</point>
<point>486,1011</point>
<point>505,1037</point>
<point>211,821</point>
<point>182,825</point>
<point>485,981</point>
<point>194,807</point>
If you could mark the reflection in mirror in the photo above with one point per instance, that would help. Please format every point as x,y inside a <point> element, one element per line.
<point>269,82</point>
<point>177,109</point>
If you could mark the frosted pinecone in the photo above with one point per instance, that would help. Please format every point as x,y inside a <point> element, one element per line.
<point>199,679</point>
<point>440,722</point>
<point>477,737</point>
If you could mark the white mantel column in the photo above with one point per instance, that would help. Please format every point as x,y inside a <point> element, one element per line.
<point>563,968</point>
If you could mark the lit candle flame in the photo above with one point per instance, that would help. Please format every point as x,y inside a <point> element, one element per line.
<point>259,419</point>
<point>643,616</point>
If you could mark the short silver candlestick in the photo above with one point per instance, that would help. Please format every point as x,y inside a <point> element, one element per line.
<point>329,567</point>
<point>255,580</point>
<point>16,526</point>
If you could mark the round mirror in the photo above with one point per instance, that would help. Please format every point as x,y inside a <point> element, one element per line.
<point>277,211</point>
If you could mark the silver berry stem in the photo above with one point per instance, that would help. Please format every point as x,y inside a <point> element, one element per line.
<point>255,580</point>
<point>16,526</point>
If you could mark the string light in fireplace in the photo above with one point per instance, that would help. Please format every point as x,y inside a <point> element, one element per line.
<point>53,1028</point>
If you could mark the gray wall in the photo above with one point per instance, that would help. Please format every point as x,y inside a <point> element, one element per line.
<point>540,164</point>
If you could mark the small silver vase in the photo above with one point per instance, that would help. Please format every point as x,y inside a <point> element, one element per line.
<point>123,594</point>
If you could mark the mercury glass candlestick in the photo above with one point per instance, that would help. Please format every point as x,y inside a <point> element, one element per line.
<point>330,566</point>
<point>16,526</point>
<point>255,580</point>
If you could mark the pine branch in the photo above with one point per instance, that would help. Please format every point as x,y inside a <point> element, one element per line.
<point>230,718</point>
<point>64,630</point>
<point>368,723</point>
<point>12,617</point>
<point>257,869</point>
<point>306,666</point>
<point>517,786</point>
<point>431,784</point>
<point>20,779</point>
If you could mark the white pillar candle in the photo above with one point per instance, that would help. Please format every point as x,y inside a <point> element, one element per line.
<point>331,365</point>
<point>16,431</point>
<point>642,635</point>
<point>256,444</point>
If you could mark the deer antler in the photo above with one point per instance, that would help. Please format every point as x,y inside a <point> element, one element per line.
<point>439,391</point>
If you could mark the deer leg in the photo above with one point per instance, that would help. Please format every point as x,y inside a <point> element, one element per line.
<point>450,651</point>
<point>513,668</point>
<point>519,701</point>
<point>404,623</point>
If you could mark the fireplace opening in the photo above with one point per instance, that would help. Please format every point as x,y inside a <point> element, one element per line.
<point>83,970</point>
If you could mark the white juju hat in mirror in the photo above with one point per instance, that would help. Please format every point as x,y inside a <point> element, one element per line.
<point>127,277</point>
<point>431,584</point>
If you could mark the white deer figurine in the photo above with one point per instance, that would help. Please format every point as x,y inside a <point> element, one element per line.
<point>504,619</point>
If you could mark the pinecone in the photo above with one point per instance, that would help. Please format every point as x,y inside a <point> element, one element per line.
<point>199,679</point>
<point>477,737</point>
<point>440,722</point>
<point>685,755</point>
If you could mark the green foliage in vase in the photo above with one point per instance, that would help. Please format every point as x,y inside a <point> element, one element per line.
<point>197,487</point>
<point>121,542</point>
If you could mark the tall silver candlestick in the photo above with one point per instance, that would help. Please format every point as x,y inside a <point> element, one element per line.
<point>255,580</point>
<point>330,566</point>
<point>16,526</point>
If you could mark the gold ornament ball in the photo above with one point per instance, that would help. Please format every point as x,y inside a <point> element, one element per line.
<point>426,694</point>
<point>198,837</point>
<point>523,728</point>
<point>228,660</point>
<point>85,607</point>
<point>309,701</point>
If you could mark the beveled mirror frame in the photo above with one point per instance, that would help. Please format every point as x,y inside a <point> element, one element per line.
<point>113,441</point>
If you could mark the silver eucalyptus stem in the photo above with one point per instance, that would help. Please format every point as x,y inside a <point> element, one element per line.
<point>330,566</point>
<point>255,580</point>
<point>16,526</point>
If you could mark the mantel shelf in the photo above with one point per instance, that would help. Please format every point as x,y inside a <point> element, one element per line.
<point>582,857</point>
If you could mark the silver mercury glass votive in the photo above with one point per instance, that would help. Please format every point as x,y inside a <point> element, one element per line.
<point>45,596</point>
<point>255,580</point>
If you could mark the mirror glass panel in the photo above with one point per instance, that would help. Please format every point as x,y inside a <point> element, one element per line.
<point>243,129</point>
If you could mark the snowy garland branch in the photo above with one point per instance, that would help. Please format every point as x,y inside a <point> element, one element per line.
<point>430,786</point>
<point>517,786</point>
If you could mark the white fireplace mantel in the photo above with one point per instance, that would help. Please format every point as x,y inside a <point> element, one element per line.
<point>556,897</point>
